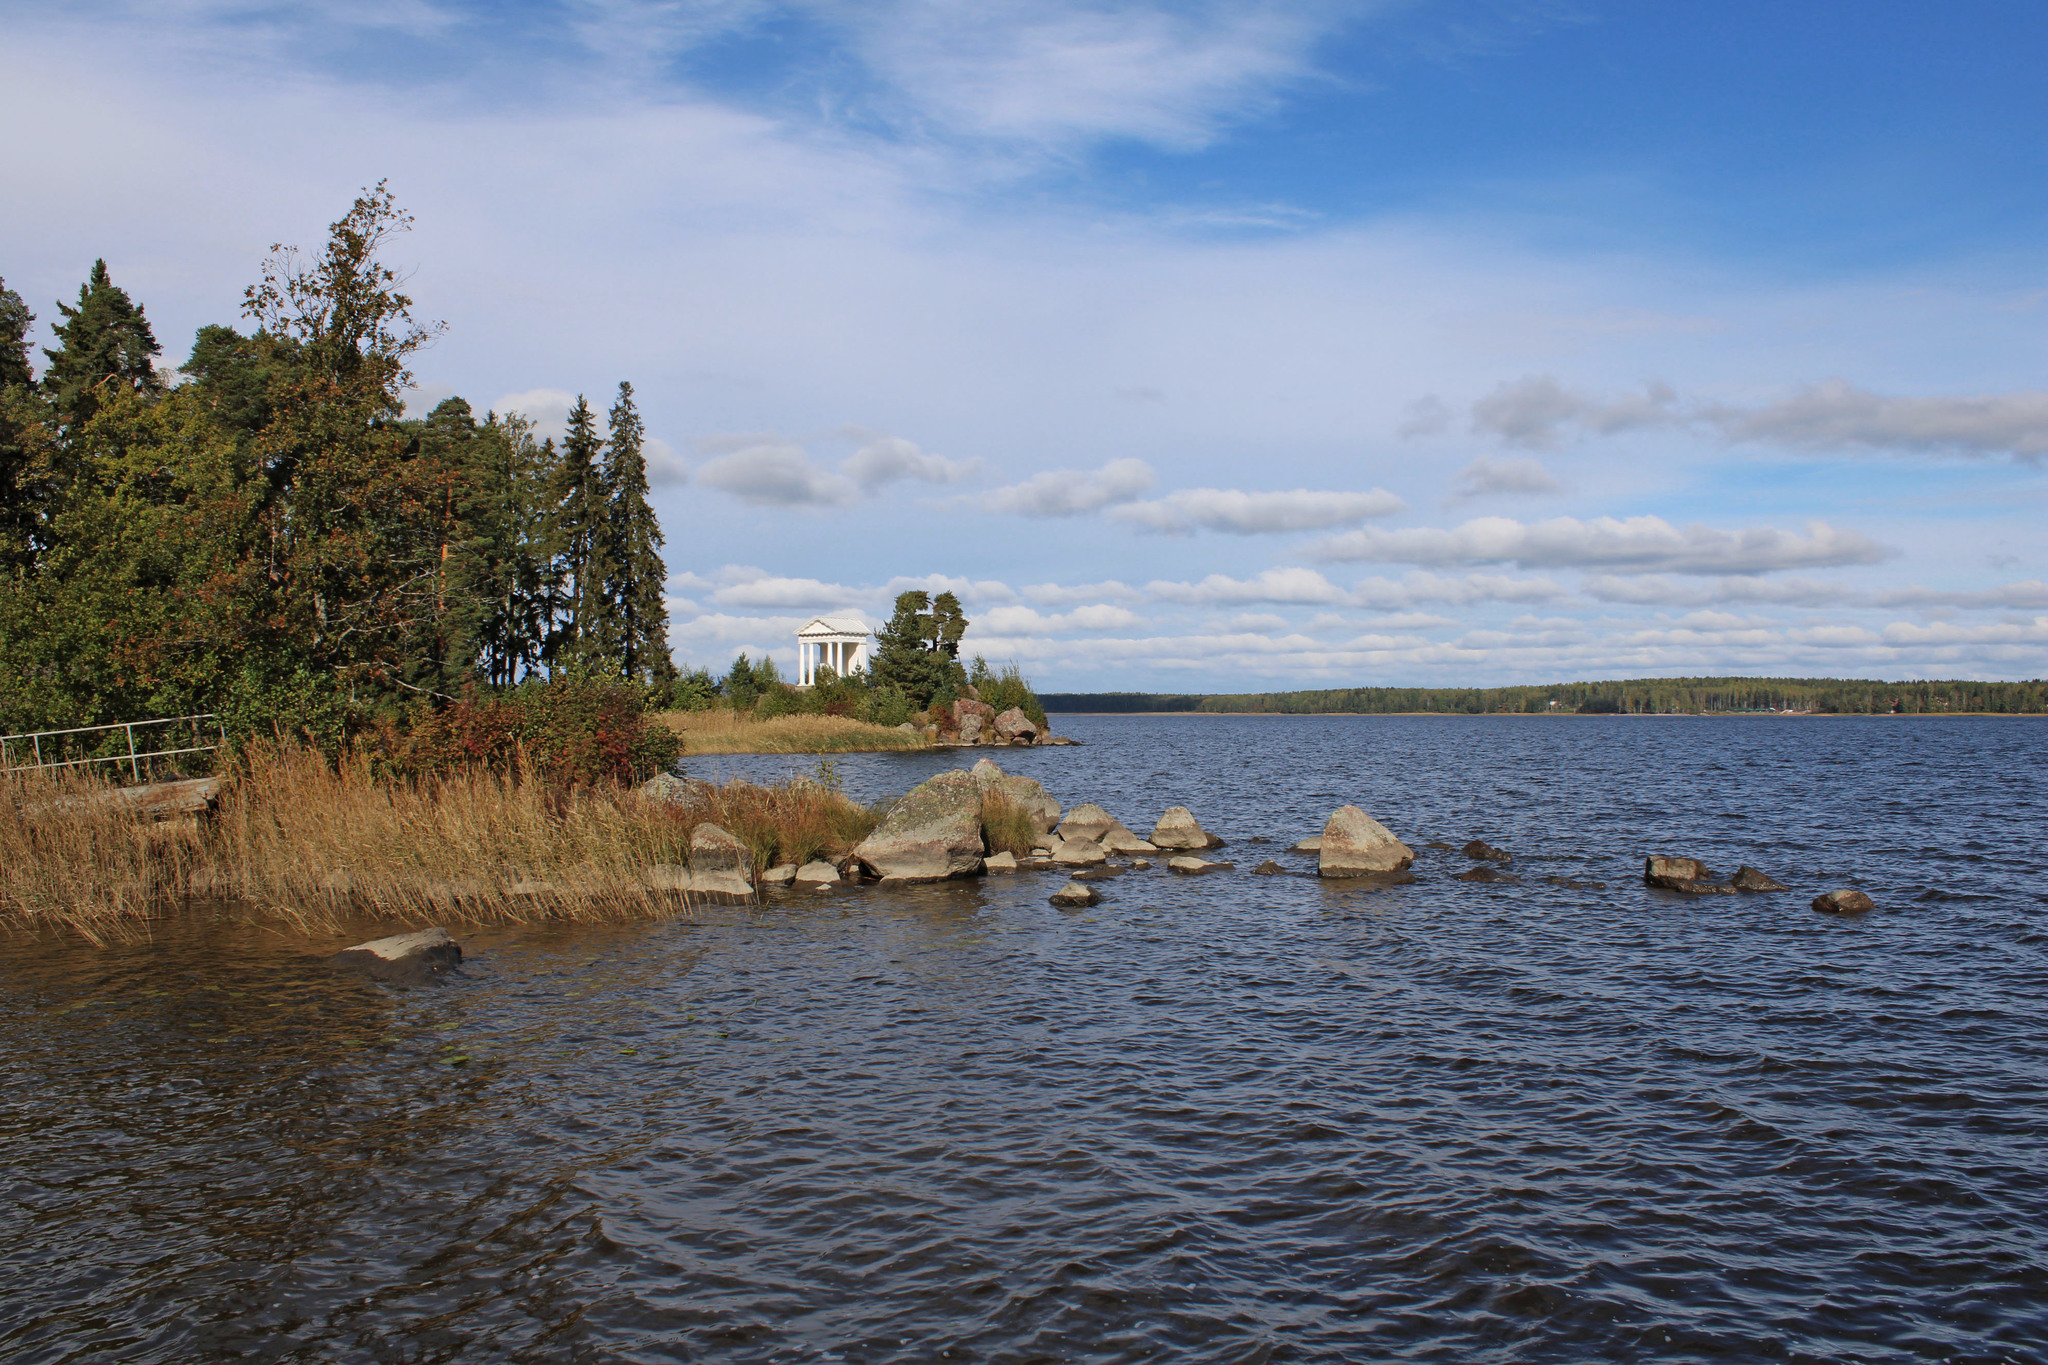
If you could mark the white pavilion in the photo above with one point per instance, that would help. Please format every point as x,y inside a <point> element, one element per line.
<point>839,643</point>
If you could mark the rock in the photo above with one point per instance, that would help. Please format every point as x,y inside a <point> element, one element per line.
<point>1568,884</point>
<point>1842,902</point>
<point>1101,873</point>
<point>817,874</point>
<point>1177,829</point>
<point>660,877</point>
<point>971,692</point>
<point>721,867</point>
<point>782,874</point>
<point>1480,851</point>
<point>1141,865</point>
<point>1268,868</point>
<point>1666,871</point>
<point>971,706</point>
<point>1747,878</point>
<point>666,787</point>
<point>1188,865</point>
<point>932,833</point>
<point>1025,793</point>
<point>999,862</point>
<point>1258,839</point>
<point>1121,840</point>
<point>970,729</point>
<point>1074,894</point>
<point>1087,821</point>
<point>1440,846</point>
<point>1014,727</point>
<point>405,959</point>
<point>1487,874</point>
<point>907,728</point>
<point>931,732</point>
<point>1078,853</point>
<point>1356,845</point>
<point>1312,844</point>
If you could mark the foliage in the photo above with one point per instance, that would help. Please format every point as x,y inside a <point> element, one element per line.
<point>797,822</point>
<point>917,652</point>
<point>14,320</point>
<point>722,731</point>
<point>1006,827</point>
<point>565,732</point>
<point>106,345</point>
<point>1006,689</point>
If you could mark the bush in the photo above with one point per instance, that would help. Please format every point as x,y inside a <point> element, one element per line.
<point>1005,827</point>
<point>797,822</point>
<point>565,732</point>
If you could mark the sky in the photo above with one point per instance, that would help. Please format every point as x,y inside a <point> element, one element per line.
<point>1197,347</point>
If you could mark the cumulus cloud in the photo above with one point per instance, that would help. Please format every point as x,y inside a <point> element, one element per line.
<point>1461,590</point>
<point>749,587</point>
<point>1837,415</point>
<point>1055,595</point>
<point>777,474</point>
<point>2030,593</point>
<point>1071,493</point>
<point>1487,475</point>
<point>1665,591</point>
<point>1538,410</point>
<point>1290,585</point>
<point>1620,545</point>
<point>1030,621</point>
<point>886,459</point>
<point>1246,513</point>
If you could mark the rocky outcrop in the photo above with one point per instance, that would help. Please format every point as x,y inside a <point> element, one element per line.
<point>1747,878</point>
<point>413,959</point>
<point>1022,792</point>
<point>1843,902</point>
<point>1356,845</point>
<point>1479,851</point>
<point>932,833</point>
<point>1177,828</point>
<point>972,719</point>
<point>721,867</point>
<point>1087,821</point>
<point>1188,865</point>
<point>1074,894</point>
<point>1014,727</point>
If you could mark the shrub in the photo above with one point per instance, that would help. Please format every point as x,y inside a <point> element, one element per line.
<point>798,822</point>
<point>565,732</point>
<point>1006,827</point>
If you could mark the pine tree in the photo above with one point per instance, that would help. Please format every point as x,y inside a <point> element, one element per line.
<point>578,508</point>
<point>635,615</point>
<point>104,340</point>
<point>14,321</point>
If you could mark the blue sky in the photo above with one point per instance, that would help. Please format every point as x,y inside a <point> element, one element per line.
<point>1197,346</point>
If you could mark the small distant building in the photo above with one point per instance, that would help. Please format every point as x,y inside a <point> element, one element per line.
<point>839,643</point>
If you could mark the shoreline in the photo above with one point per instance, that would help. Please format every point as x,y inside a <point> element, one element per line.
<point>1617,715</point>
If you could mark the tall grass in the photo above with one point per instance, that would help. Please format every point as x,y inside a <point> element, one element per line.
<point>1005,827</point>
<point>721,731</point>
<point>298,839</point>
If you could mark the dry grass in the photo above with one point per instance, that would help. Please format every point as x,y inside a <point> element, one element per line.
<point>300,841</point>
<point>726,732</point>
<point>1007,828</point>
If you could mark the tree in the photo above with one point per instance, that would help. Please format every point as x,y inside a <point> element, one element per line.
<point>104,341</point>
<point>915,652</point>
<point>636,614</point>
<point>14,321</point>
<point>579,552</point>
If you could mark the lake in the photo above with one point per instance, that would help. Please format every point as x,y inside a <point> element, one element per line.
<point>1229,1118</point>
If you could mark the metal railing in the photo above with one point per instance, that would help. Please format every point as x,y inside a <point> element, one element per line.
<point>134,758</point>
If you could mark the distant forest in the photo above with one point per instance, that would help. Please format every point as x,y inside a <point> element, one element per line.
<point>1634,696</point>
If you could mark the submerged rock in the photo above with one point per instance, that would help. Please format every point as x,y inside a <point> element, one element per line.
<point>1074,893</point>
<point>1440,846</point>
<point>1268,868</point>
<point>413,959</point>
<point>1568,884</point>
<point>1188,865</point>
<point>1177,828</point>
<point>1141,864</point>
<point>1312,844</point>
<point>1356,845</point>
<point>1843,902</point>
<point>1479,851</point>
<point>932,833</point>
<point>1487,874</point>
<point>1747,878</point>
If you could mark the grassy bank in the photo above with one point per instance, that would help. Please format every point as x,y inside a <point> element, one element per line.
<point>722,731</point>
<point>310,844</point>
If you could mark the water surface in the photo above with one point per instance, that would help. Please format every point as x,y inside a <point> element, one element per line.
<point>1233,1118</point>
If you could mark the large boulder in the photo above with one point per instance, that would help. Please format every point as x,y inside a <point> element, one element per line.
<point>1121,840</point>
<point>405,959</point>
<point>1025,793</point>
<point>1843,902</point>
<point>666,787</point>
<point>969,706</point>
<point>1356,845</point>
<point>1088,821</point>
<point>1177,829</point>
<point>1014,727</point>
<point>721,867</point>
<point>817,874</point>
<point>970,729</point>
<point>932,833</point>
<point>1078,853</point>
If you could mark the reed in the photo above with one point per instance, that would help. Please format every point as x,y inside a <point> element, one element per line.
<point>722,731</point>
<point>297,839</point>
<point>1007,828</point>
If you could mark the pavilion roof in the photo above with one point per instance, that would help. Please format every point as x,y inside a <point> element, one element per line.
<point>836,625</point>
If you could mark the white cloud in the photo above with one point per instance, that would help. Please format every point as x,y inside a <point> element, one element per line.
<point>1462,590</point>
<point>1006,621</point>
<point>1661,590</point>
<point>1247,513</point>
<point>1054,595</point>
<point>547,409</point>
<point>777,474</point>
<point>1536,411</point>
<point>665,468</point>
<point>1634,544</point>
<point>1070,493</point>
<point>1488,475</point>
<point>1288,585</point>
<point>886,459</point>
<point>2030,593</point>
<point>1837,415</point>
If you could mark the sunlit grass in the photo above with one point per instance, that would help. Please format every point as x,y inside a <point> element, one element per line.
<point>721,731</point>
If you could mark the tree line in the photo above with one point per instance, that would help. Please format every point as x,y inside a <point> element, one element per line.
<point>264,532</point>
<point>1635,696</point>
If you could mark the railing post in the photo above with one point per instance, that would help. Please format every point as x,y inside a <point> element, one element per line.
<point>133,771</point>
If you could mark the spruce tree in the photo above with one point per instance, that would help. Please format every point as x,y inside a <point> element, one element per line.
<point>578,508</point>
<point>635,616</point>
<point>104,341</point>
<point>14,321</point>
